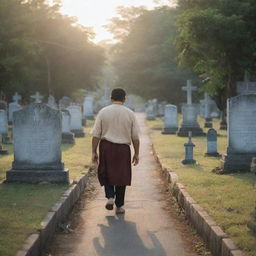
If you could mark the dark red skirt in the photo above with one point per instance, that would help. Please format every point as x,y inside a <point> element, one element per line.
<point>114,164</point>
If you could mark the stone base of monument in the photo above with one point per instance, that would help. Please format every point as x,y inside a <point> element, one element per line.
<point>90,117</point>
<point>208,124</point>
<point>216,154</point>
<point>223,126</point>
<point>196,131</point>
<point>188,162</point>
<point>78,133</point>
<point>68,138</point>
<point>169,130</point>
<point>37,176</point>
<point>237,162</point>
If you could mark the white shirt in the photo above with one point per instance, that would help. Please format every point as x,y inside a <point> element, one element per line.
<point>116,123</point>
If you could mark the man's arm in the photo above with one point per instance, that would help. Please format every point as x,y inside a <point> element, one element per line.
<point>136,145</point>
<point>95,143</point>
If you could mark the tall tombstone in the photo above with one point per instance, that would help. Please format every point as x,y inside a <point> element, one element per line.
<point>37,146</point>
<point>88,107</point>
<point>52,102</point>
<point>37,97</point>
<point>150,113</point>
<point>161,109</point>
<point>246,86</point>
<point>13,106</point>
<point>64,102</point>
<point>241,117</point>
<point>207,111</point>
<point>76,121</point>
<point>155,106</point>
<point>212,143</point>
<point>189,115</point>
<point>170,119</point>
<point>4,127</point>
<point>3,105</point>
<point>67,135</point>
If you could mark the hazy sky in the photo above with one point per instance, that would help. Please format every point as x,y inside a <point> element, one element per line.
<point>95,13</point>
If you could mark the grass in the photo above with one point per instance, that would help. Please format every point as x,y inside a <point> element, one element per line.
<point>23,207</point>
<point>229,199</point>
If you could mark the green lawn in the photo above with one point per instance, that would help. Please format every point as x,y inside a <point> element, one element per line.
<point>23,207</point>
<point>229,199</point>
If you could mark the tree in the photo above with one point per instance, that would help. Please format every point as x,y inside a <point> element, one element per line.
<point>146,59</point>
<point>216,40</point>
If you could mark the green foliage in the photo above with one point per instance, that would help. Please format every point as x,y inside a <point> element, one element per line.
<point>145,59</point>
<point>41,49</point>
<point>216,39</point>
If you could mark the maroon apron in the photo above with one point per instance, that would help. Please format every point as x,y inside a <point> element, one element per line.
<point>114,164</point>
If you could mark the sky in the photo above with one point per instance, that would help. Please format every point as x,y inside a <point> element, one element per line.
<point>96,13</point>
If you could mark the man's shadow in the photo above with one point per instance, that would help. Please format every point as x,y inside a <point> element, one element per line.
<point>121,238</point>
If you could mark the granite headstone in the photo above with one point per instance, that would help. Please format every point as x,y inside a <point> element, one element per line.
<point>170,119</point>
<point>67,135</point>
<point>76,121</point>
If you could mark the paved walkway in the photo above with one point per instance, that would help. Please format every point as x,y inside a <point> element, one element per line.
<point>147,229</point>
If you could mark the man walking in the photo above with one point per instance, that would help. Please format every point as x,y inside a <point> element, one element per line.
<point>114,130</point>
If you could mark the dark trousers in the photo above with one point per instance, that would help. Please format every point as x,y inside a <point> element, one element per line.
<point>118,191</point>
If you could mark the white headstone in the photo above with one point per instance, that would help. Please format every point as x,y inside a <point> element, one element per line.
<point>64,102</point>
<point>241,114</point>
<point>150,111</point>
<point>16,97</point>
<point>88,107</point>
<point>246,86</point>
<point>3,123</point>
<point>170,119</point>
<point>52,102</point>
<point>67,135</point>
<point>37,146</point>
<point>76,120</point>
<point>14,106</point>
<point>37,97</point>
<point>212,143</point>
<point>189,89</point>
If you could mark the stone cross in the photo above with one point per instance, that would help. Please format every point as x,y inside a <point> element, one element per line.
<point>16,97</point>
<point>37,97</point>
<point>189,89</point>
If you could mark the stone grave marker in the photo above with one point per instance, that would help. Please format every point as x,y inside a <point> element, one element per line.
<point>150,111</point>
<point>64,102</point>
<point>37,97</point>
<point>241,117</point>
<point>189,115</point>
<point>76,121</point>
<point>88,107</point>
<point>246,86</point>
<point>3,105</point>
<point>67,135</point>
<point>212,143</point>
<point>37,146</point>
<point>4,127</point>
<point>170,119</point>
<point>52,102</point>
<point>189,149</point>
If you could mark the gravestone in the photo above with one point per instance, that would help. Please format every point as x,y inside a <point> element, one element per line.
<point>76,121</point>
<point>14,106</point>
<point>88,107</point>
<point>16,97</point>
<point>246,86</point>
<point>3,105</point>
<point>154,102</point>
<point>37,146</point>
<point>170,120</point>
<point>64,102</point>
<point>189,148</point>
<point>161,109</point>
<point>4,127</point>
<point>67,135</point>
<point>241,116</point>
<point>212,143</point>
<point>207,111</point>
<point>37,97</point>
<point>189,115</point>
<point>150,111</point>
<point>52,102</point>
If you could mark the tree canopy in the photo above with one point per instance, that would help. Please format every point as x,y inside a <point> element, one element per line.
<point>42,49</point>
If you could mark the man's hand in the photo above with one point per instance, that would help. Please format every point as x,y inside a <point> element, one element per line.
<point>135,159</point>
<point>95,158</point>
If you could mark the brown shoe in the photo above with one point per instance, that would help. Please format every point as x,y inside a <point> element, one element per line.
<point>120,210</point>
<point>110,204</point>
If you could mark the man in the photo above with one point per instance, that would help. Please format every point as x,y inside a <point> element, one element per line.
<point>114,130</point>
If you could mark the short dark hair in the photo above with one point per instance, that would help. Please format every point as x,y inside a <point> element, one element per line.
<point>118,94</point>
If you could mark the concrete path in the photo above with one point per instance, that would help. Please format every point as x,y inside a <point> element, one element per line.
<point>147,229</point>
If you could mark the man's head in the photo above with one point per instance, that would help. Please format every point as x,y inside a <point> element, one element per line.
<point>118,94</point>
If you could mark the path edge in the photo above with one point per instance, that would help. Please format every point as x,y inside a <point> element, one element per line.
<point>216,239</point>
<point>36,242</point>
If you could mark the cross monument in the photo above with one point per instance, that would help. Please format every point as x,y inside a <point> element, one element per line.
<point>189,88</point>
<point>37,97</point>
